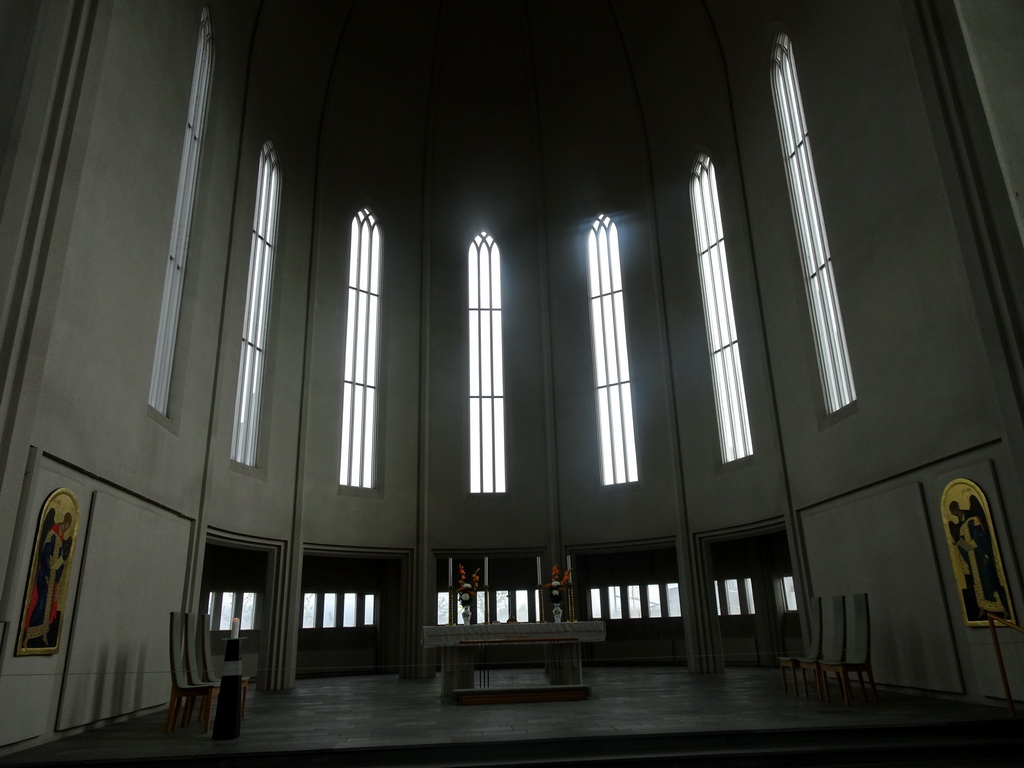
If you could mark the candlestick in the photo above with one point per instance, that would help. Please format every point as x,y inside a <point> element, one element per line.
<point>234,628</point>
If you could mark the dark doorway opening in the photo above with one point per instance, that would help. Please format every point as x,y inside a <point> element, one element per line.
<point>752,578</point>
<point>349,617</point>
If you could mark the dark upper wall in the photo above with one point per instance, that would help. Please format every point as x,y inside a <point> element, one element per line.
<point>371,154</point>
<point>923,390</point>
<point>521,121</point>
<point>284,104</point>
<point>111,238</point>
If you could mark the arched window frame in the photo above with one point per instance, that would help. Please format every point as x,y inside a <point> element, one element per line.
<point>181,227</point>
<point>361,365</point>
<point>486,368</point>
<point>249,395</point>
<point>819,279</point>
<point>611,356</point>
<point>716,288</point>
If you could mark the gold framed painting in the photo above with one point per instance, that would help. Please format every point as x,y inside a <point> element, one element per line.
<point>974,553</point>
<point>46,593</point>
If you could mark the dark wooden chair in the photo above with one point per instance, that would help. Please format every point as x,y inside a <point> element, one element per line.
<point>834,649</point>
<point>183,692</point>
<point>858,654</point>
<point>812,651</point>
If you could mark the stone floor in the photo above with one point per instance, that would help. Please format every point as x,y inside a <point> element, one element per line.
<point>361,715</point>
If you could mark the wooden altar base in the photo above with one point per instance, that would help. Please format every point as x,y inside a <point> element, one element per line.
<point>520,694</point>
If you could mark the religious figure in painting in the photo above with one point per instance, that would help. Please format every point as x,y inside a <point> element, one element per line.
<point>49,575</point>
<point>974,553</point>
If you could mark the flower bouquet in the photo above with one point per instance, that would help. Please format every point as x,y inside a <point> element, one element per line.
<point>557,588</point>
<point>466,592</point>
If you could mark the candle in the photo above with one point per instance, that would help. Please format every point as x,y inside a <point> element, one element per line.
<point>486,582</point>
<point>234,629</point>
<point>538,570</point>
<point>568,566</point>
<point>449,573</point>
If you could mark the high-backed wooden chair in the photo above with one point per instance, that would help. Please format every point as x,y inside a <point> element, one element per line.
<point>184,693</point>
<point>193,669</point>
<point>858,654</point>
<point>209,671</point>
<point>812,651</point>
<point>833,649</point>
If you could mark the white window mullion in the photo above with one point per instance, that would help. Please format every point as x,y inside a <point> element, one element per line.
<point>611,356</point>
<point>716,287</point>
<point>184,202</point>
<point>360,362</point>
<point>819,279</point>
<point>486,370</point>
<point>249,395</point>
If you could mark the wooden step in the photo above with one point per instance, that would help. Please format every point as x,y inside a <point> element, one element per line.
<point>520,694</point>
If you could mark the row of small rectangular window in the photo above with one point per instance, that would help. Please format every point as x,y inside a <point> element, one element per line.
<point>522,605</point>
<point>736,596</point>
<point>654,601</point>
<point>618,456</point>
<point>320,610</point>
<point>225,606</point>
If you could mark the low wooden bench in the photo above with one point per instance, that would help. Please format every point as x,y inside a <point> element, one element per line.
<point>520,694</point>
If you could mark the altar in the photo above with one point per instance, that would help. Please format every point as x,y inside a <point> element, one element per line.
<point>461,646</point>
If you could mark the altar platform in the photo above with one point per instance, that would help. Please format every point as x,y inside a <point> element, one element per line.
<point>463,647</point>
<point>654,716</point>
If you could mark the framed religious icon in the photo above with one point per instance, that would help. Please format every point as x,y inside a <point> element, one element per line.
<point>974,552</point>
<point>49,575</point>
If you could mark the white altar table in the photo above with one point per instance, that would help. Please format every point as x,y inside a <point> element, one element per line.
<point>460,645</point>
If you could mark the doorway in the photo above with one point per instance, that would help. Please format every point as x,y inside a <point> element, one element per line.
<point>752,580</point>
<point>235,586</point>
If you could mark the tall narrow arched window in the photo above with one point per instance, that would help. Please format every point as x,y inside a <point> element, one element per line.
<point>486,377</point>
<point>249,396</point>
<point>359,395</point>
<point>723,343</point>
<point>611,358</point>
<point>174,278</point>
<point>826,319</point>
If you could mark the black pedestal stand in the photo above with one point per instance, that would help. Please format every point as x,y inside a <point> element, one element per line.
<point>228,723</point>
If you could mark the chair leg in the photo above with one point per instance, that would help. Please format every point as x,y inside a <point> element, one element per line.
<point>860,679</point>
<point>871,679</point>
<point>207,709</point>
<point>844,684</point>
<point>782,669</point>
<point>172,712</point>
<point>189,711</point>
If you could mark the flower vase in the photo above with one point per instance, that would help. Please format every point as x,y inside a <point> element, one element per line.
<point>556,612</point>
<point>467,615</point>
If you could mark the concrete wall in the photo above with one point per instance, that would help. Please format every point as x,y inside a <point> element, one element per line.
<point>865,484</point>
<point>520,121</point>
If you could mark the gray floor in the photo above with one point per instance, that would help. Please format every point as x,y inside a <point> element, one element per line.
<point>348,713</point>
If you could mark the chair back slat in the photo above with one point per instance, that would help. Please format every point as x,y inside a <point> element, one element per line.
<point>209,671</point>
<point>859,648</point>
<point>814,615</point>
<point>835,647</point>
<point>192,668</point>
<point>176,648</point>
